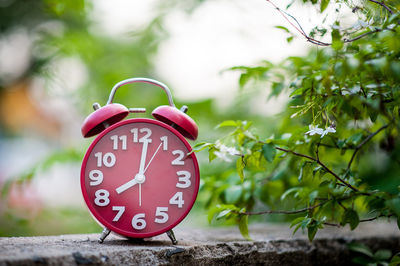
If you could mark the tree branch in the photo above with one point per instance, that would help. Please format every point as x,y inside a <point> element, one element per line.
<point>326,169</point>
<point>359,146</point>
<point>286,212</point>
<point>363,220</point>
<point>383,5</point>
<point>320,43</point>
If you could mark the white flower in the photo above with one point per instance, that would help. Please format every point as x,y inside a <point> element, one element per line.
<point>314,130</point>
<point>328,130</point>
<point>223,156</point>
<point>224,152</point>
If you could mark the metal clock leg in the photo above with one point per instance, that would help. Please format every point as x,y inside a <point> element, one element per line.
<point>171,236</point>
<point>104,234</point>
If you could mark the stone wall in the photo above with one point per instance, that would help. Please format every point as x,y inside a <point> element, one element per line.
<point>271,245</point>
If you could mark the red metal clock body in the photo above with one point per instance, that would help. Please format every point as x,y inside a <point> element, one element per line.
<point>138,177</point>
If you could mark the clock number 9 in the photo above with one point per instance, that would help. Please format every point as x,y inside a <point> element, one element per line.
<point>102,197</point>
<point>96,176</point>
<point>138,222</point>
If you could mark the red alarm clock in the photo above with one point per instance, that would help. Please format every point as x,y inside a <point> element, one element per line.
<point>139,178</point>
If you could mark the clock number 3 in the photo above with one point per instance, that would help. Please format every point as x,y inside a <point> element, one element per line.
<point>184,179</point>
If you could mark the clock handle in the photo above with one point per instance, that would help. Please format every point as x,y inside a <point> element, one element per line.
<point>143,80</point>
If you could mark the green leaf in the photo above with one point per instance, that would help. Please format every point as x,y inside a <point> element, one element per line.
<point>233,194</point>
<point>229,123</point>
<point>398,222</point>
<point>240,168</point>
<point>312,231</point>
<point>201,146</point>
<point>360,248</point>
<point>324,5</point>
<point>223,214</point>
<point>269,151</point>
<point>394,205</point>
<point>395,261</point>
<point>350,216</point>
<point>383,255</point>
<point>222,210</point>
<point>244,226</point>
<point>290,191</point>
<point>282,28</point>
<point>337,42</point>
<point>211,154</point>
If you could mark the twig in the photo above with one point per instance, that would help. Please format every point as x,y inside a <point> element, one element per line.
<point>383,5</point>
<point>286,212</point>
<point>320,43</point>
<point>326,169</point>
<point>361,221</point>
<point>302,32</point>
<point>363,35</point>
<point>359,146</point>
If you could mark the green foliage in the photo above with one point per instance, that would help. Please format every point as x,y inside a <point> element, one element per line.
<point>335,157</point>
<point>363,255</point>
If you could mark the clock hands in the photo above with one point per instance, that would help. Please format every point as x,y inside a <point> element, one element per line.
<point>139,177</point>
<point>127,185</point>
<point>152,157</point>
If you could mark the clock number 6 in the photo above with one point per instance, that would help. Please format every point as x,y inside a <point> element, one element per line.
<point>138,221</point>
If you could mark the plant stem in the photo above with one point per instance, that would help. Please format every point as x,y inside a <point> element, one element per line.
<point>326,169</point>
<point>286,212</point>
<point>359,146</point>
<point>363,220</point>
<point>383,5</point>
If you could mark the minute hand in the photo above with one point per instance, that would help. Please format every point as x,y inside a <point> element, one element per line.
<point>143,157</point>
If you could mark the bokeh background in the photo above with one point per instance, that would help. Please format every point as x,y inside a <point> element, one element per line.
<point>59,57</point>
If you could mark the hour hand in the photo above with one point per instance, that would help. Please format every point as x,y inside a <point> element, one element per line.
<point>125,186</point>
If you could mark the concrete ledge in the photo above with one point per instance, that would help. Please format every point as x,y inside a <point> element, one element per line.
<point>271,245</point>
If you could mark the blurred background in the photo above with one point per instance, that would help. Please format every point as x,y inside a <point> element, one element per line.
<point>59,57</point>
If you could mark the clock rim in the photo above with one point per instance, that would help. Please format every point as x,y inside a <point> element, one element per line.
<point>103,221</point>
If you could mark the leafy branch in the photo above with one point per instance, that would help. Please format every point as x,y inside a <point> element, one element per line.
<point>286,212</point>
<point>310,39</point>
<point>318,161</point>
<point>382,3</point>
<point>359,146</point>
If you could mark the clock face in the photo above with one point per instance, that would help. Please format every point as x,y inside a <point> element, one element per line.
<point>137,178</point>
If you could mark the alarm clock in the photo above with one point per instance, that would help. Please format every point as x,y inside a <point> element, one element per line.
<point>139,178</point>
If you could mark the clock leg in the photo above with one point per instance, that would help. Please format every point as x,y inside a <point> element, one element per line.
<point>171,236</point>
<point>104,234</point>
